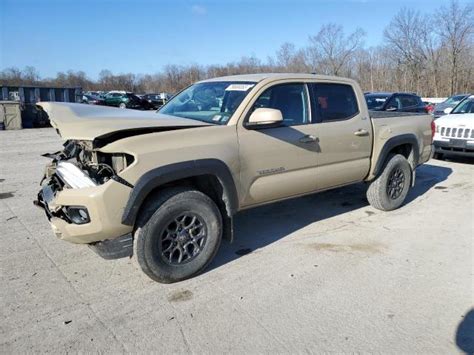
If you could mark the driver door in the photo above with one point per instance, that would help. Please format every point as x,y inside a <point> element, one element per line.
<point>281,161</point>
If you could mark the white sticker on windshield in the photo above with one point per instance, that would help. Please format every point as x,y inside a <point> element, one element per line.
<point>239,87</point>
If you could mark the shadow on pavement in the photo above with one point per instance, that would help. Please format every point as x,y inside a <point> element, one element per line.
<point>261,226</point>
<point>465,333</point>
<point>427,176</point>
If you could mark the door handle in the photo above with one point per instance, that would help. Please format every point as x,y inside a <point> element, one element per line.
<point>361,133</point>
<point>309,138</point>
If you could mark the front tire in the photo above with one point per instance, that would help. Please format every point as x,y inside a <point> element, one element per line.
<point>388,191</point>
<point>179,237</point>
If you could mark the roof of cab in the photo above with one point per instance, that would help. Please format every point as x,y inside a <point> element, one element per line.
<point>262,76</point>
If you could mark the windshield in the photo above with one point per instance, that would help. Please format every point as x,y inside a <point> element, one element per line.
<point>375,101</point>
<point>466,106</point>
<point>454,100</point>
<point>212,102</point>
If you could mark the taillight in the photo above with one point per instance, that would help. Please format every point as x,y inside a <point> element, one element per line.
<point>433,129</point>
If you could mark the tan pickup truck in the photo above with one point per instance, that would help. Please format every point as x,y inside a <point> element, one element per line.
<point>163,187</point>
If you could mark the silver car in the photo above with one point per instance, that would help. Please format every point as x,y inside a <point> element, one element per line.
<point>449,103</point>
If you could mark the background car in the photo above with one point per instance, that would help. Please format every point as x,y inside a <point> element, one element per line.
<point>429,106</point>
<point>452,101</point>
<point>157,100</point>
<point>398,101</point>
<point>92,100</point>
<point>99,94</point>
<point>455,131</point>
<point>465,106</point>
<point>126,100</point>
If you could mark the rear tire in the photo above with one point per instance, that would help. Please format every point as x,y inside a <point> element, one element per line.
<point>388,191</point>
<point>178,235</point>
<point>122,105</point>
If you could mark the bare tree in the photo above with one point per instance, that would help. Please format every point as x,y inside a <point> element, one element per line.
<point>289,59</point>
<point>30,74</point>
<point>285,55</point>
<point>404,36</point>
<point>11,76</point>
<point>456,30</point>
<point>331,50</point>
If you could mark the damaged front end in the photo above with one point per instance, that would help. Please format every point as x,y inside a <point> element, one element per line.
<point>79,165</point>
<point>83,195</point>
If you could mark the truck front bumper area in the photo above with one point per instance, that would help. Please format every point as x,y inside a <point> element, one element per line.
<point>455,148</point>
<point>89,215</point>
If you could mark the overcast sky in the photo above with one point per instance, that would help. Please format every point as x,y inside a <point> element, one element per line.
<point>144,35</point>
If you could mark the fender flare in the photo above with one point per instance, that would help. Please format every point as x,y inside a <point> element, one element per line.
<point>393,143</point>
<point>168,173</point>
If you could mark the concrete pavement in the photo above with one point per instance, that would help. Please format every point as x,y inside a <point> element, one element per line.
<point>325,272</point>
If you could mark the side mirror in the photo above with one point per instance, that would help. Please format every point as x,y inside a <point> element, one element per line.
<point>265,117</point>
<point>392,108</point>
<point>448,110</point>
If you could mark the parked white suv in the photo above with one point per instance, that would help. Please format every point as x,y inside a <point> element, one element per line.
<point>455,132</point>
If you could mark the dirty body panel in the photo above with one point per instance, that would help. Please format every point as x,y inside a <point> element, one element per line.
<point>401,130</point>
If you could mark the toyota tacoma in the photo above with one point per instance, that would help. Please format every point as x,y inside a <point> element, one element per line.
<point>163,187</point>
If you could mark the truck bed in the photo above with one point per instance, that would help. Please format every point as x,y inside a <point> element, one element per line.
<point>396,126</point>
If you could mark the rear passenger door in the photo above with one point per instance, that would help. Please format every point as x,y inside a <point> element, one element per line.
<point>344,134</point>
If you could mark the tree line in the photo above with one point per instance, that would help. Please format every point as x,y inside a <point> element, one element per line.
<point>431,54</point>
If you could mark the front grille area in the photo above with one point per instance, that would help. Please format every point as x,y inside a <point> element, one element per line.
<point>456,132</point>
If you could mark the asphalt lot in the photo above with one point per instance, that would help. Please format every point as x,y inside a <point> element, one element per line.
<point>325,272</point>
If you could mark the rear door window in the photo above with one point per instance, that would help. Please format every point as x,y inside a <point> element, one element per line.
<point>333,102</point>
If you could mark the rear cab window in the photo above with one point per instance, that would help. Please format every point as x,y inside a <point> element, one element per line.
<point>333,102</point>
<point>409,101</point>
<point>375,101</point>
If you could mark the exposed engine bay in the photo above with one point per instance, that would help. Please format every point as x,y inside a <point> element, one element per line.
<point>79,165</point>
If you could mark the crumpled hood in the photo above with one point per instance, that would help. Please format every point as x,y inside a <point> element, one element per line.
<point>90,122</point>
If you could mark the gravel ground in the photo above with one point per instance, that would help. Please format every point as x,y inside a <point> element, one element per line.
<point>321,273</point>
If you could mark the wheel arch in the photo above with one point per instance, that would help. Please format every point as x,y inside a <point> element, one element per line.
<point>405,144</point>
<point>203,174</point>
